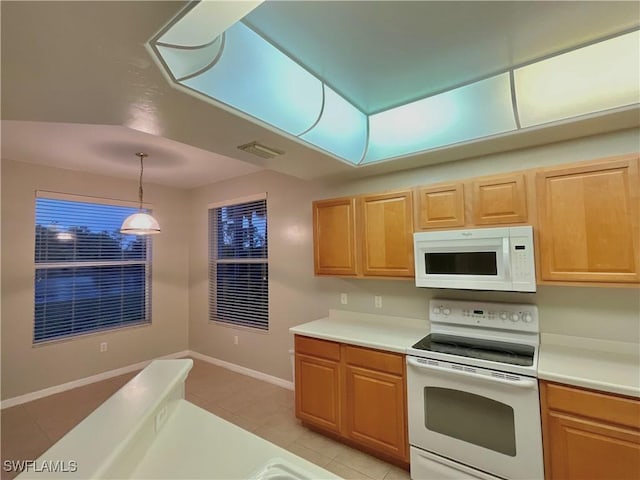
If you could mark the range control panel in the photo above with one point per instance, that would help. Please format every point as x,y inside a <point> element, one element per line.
<point>505,316</point>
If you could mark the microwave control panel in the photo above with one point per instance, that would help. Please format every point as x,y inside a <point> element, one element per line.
<point>522,264</point>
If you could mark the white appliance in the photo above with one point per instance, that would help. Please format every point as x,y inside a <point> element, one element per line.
<point>472,392</point>
<point>479,259</point>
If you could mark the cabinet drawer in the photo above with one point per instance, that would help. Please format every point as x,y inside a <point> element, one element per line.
<point>375,360</point>
<point>317,348</point>
<point>601,406</point>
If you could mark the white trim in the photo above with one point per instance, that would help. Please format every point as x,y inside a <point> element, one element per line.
<point>235,201</point>
<point>28,397</point>
<point>89,199</point>
<point>243,370</point>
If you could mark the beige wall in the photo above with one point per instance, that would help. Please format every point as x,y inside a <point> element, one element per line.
<point>610,313</point>
<point>180,283</point>
<point>293,288</point>
<point>26,368</point>
<point>296,296</point>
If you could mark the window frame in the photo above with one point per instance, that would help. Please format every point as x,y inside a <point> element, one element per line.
<point>147,262</point>
<point>213,261</point>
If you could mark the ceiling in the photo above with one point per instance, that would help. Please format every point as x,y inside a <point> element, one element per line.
<point>80,90</point>
<point>380,55</point>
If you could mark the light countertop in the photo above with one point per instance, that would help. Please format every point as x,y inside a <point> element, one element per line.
<point>590,363</point>
<point>197,444</point>
<point>394,334</point>
<point>607,366</point>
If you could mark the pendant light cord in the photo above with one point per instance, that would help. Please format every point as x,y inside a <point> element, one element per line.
<point>141,155</point>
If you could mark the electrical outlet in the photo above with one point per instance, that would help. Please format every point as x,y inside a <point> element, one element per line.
<point>104,346</point>
<point>344,299</point>
<point>377,300</point>
<point>235,340</point>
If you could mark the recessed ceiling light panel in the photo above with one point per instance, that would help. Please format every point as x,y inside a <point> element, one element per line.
<point>598,77</point>
<point>247,74</point>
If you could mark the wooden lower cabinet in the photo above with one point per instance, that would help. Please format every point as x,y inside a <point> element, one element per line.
<point>589,435</point>
<point>360,397</point>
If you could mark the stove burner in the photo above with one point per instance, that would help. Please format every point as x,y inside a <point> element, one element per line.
<point>492,350</point>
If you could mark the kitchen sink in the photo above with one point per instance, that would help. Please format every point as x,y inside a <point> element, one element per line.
<point>279,469</point>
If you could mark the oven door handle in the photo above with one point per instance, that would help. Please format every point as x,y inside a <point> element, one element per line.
<point>522,382</point>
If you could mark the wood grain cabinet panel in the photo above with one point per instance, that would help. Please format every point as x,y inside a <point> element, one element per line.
<point>588,222</point>
<point>589,435</point>
<point>386,235</point>
<point>334,237</point>
<point>318,392</point>
<point>499,200</point>
<point>355,393</point>
<point>440,206</point>
<point>376,410</point>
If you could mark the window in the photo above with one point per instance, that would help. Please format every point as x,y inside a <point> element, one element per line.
<point>88,276</point>
<point>238,264</point>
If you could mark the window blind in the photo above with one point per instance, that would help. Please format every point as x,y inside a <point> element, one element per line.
<point>88,276</point>
<point>238,264</point>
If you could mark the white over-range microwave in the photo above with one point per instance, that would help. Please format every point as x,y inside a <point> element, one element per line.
<point>477,259</point>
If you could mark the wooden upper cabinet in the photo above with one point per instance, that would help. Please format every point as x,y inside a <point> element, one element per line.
<point>334,237</point>
<point>386,234</point>
<point>498,200</point>
<point>440,206</point>
<point>588,222</point>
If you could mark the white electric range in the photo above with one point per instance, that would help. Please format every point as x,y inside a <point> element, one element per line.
<point>472,389</point>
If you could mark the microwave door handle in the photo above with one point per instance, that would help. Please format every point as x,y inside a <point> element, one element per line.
<point>506,260</point>
<point>522,383</point>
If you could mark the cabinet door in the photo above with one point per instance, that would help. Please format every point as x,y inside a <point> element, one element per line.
<point>498,200</point>
<point>318,392</point>
<point>376,411</point>
<point>334,237</point>
<point>588,226</point>
<point>440,206</point>
<point>587,449</point>
<point>386,234</point>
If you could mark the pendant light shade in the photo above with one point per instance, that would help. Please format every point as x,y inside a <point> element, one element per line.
<point>140,223</point>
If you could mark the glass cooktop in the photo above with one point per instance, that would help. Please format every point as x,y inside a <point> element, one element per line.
<point>492,350</point>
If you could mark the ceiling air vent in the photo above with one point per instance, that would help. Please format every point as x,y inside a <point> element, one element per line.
<point>260,150</point>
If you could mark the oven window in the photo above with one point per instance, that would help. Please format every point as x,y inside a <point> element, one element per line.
<point>461,263</point>
<point>470,418</point>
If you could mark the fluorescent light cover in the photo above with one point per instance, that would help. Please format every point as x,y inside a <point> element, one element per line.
<point>598,77</point>
<point>341,130</point>
<point>182,62</point>
<point>205,21</point>
<point>477,110</point>
<point>258,79</point>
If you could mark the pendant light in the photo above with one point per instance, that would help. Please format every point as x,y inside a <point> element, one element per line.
<point>140,223</point>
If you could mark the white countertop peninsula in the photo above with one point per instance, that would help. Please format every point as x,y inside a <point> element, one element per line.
<point>603,365</point>
<point>147,430</point>
<point>197,444</point>
<point>394,334</point>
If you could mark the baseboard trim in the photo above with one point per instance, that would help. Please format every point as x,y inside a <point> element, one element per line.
<point>28,397</point>
<point>244,370</point>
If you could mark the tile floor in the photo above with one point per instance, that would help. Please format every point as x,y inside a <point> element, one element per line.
<point>262,408</point>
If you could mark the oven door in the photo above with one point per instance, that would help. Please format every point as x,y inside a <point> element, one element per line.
<point>481,418</point>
